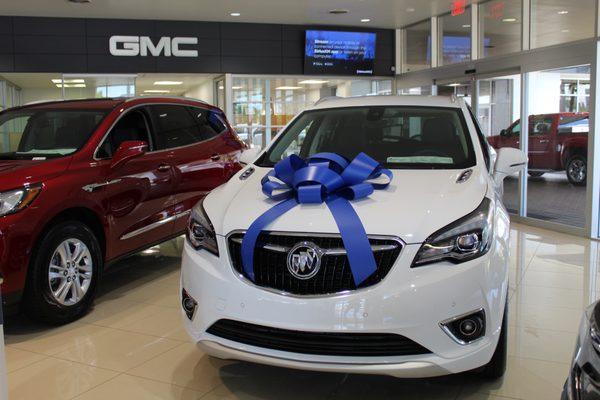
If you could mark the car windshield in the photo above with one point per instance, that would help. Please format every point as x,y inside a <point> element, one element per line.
<point>45,133</point>
<point>396,136</point>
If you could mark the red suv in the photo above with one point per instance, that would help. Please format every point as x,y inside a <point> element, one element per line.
<point>83,183</point>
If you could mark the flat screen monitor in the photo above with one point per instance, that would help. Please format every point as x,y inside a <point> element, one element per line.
<point>339,53</point>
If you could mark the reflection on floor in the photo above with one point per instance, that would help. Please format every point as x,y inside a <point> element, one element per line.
<point>132,345</point>
<point>550,197</point>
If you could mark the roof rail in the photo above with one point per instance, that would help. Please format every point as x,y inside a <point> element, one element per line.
<point>165,97</point>
<point>328,98</point>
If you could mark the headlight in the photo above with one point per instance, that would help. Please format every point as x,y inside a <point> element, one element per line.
<point>15,200</point>
<point>467,238</point>
<point>200,232</point>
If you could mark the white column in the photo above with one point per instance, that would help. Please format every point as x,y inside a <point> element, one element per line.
<point>435,43</point>
<point>229,98</point>
<point>593,163</point>
<point>524,142</point>
<point>475,45</point>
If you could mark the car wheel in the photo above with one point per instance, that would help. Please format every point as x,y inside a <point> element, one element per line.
<point>535,174</point>
<point>577,170</point>
<point>497,366</point>
<point>64,274</point>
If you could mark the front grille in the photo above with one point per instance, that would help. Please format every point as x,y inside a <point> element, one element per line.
<point>321,343</point>
<point>334,276</point>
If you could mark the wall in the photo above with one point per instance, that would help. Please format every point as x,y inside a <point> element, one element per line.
<point>204,91</point>
<point>76,45</point>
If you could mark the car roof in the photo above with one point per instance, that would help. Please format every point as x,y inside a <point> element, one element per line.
<point>407,100</point>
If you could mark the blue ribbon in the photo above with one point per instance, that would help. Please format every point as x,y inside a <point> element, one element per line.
<point>328,178</point>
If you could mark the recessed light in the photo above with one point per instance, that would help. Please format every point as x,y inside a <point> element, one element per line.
<point>410,9</point>
<point>236,87</point>
<point>565,31</point>
<point>235,14</point>
<point>288,87</point>
<point>562,12</point>
<point>156,91</point>
<point>466,26</point>
<point>365,20</point>
<point>168,83</point>
<point>70,85</point>
<point>509,20</point>
<point>312,82</point>
<point>221,87</point>
<point>338,11</point>
<point>454,84</point>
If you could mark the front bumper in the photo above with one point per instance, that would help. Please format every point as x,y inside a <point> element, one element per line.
<point>409,301</point>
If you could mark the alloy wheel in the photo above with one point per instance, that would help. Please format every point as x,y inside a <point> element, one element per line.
<point>70,272</point>
<point>577,170</point>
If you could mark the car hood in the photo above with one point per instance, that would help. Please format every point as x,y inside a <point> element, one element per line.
<point>415,204</point>
<point>16,173</point>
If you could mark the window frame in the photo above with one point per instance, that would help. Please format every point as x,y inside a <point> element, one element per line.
<point>112,127</point>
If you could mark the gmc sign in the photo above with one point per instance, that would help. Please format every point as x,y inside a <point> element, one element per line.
<point>131,46</point>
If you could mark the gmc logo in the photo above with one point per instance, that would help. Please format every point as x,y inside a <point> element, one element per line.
<point>132,46</point>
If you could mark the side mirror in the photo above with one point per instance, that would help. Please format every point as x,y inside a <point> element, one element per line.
<point>504,132</point>
<point>249,155</point>
<point>128,150</point>
<point>508,162</point>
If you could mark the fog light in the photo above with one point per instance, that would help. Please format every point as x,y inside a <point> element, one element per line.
<point>188,304</point>
<point>465,328</point>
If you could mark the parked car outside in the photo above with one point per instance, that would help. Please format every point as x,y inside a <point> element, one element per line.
<point>434,302</point>
<point>557,142</point>
<point>83,183</point>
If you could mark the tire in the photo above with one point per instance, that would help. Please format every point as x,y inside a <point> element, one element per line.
<point>576,170</point>
<point>52,294</point>
<point>496,368</point>
<point>535,174</point>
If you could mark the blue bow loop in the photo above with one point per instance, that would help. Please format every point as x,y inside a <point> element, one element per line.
<point>328,178</point>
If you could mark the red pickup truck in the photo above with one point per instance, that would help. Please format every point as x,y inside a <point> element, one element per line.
<point>557,142</point>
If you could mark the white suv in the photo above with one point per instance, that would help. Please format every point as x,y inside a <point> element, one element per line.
<point>429,295</point>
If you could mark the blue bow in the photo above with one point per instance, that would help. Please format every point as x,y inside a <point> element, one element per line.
<point>329,178</point>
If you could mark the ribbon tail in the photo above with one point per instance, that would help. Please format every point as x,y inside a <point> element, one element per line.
<point>251,235</point>
<point>354,236</point>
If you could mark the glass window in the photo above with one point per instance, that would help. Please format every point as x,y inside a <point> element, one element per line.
<point>209,123</point>
<point>46,132</point>
<point>455,37</point>
<point>174,126</point>
<point>500,27</point>
<point>399,137</point>
<point>417,48</point>
<point>554,22</point>
<point>132,126</point>
<point>558,138</point>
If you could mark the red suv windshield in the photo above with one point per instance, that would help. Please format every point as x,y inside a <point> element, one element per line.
<point>46,133</point>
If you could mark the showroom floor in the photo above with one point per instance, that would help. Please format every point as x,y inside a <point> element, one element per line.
<point>132,345</point>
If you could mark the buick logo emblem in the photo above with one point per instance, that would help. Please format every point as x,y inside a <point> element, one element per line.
<point>304,260</point>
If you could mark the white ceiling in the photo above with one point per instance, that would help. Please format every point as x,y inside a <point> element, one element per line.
<point>383,13</point>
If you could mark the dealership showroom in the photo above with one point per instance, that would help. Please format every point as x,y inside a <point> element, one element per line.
<point>299,199</point>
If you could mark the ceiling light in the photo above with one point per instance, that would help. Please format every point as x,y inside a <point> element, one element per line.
<point>312,82</point>
<point>565,31</point>
<point>72,85</point>
<point>410,9</point>
<point>288,87</point>
<point>365,20</point>
<point>68,81</point>
<point>338,11</point>
<point>168,83</point>
<point>235,87</point>
<point>235,14</point>
<point>466,26</point>
<point>562,12</point>
<point>156,91</point>
<point>454,84</point>
<point>509,20</point>
<point>221,87</point>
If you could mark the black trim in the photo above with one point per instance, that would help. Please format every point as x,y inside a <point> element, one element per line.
<point>348,344</point>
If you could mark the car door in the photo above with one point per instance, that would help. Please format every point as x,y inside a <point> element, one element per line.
<point>138,194</point>
<point>540,141</point>
<point>186,134</point>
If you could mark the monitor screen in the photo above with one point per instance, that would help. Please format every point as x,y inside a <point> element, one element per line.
<point>339,53</point>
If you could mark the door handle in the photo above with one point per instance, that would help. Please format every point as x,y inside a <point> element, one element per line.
<point>215,157</point>
<point>544,141</point>
<point>164,168</point>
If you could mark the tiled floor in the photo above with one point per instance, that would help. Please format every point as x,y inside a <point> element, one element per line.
<point>132,345</point>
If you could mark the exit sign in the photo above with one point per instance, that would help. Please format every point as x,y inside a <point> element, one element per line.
<point>458,7</point>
